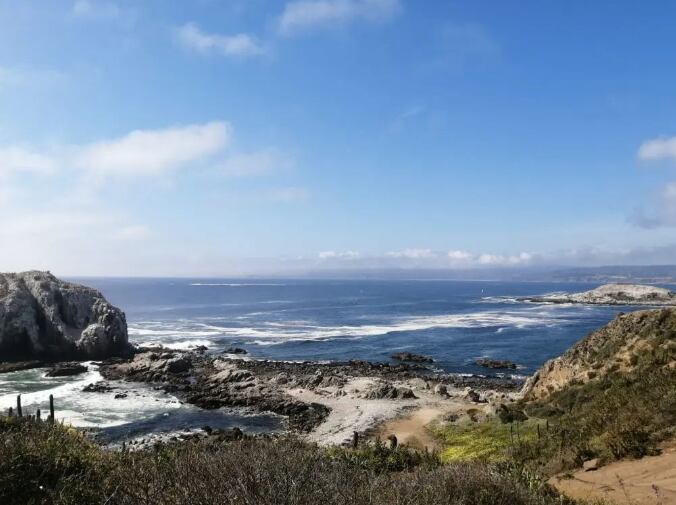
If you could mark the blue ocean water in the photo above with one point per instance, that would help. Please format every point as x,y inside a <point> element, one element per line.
<point>453,322</point>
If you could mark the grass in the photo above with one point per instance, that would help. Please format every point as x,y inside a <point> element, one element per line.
<point>490,441</point>
<point>49,464</point>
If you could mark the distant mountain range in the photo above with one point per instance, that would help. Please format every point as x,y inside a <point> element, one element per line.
<point>653,274</point>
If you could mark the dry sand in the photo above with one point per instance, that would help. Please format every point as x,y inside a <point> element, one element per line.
<point>647,481</point>
<point>405,418</point>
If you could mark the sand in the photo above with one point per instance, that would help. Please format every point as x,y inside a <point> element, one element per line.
<point>647,481</point>
<point>406,419</point>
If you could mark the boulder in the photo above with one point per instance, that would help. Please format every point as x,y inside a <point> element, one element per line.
<point>441,390</point>
<point>591,465</point>
<point>47,318</point>
<point>496,363</point>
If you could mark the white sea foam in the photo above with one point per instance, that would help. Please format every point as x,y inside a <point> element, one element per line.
<point>182,335</point>
<point>236,284</point>
<point>80,409</point>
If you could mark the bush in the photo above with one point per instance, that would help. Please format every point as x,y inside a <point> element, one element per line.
<point>45,464</point>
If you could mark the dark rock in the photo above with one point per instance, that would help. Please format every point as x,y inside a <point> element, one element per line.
<point>388,391</point>
<point>119,396</point>
<point>19,366</point>
<point>235,350</point>
<point>46,318</point>
<point>98,387</point>
<point>178,365</point>
<point>412,357</point>
<point>66,370</point>
<point>496,363</point>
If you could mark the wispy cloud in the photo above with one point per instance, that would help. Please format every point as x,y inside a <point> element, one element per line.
<point>462,43</point>
<point>28,77</point>
<point>661,212</point>
<point>257,163</point>
<point>338,255</point>
<point>658,149</point>
<point>304,15</point>
<point>103,10</point>
<point>240,45</point>
<point>16,159</point>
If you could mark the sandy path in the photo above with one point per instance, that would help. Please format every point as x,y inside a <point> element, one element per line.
<point>647,481</point>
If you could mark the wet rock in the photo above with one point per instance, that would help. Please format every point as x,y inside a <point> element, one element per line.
<point>412,357</point>
<point>235,350</point>
<point>498,364</point>
<point>178,365</point>
<point>98,387</point>
<point>66,370</point>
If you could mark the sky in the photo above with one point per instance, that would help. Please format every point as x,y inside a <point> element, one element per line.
<point>236,137</point>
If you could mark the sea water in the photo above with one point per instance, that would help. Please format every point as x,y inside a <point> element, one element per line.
<point>455,323</point>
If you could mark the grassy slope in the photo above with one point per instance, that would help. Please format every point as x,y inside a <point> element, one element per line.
<point>624,408</point>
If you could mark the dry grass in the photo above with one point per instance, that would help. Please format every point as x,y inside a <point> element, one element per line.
<point>44,464</point>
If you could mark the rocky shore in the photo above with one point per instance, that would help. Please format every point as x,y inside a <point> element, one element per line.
<point>325,401</point>
<point>612,294</point>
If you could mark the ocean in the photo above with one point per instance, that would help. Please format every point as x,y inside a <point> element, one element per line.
<point>453,322</point>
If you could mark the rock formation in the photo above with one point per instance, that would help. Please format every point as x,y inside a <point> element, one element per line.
<point>42,317</point>
<point>612,294</point>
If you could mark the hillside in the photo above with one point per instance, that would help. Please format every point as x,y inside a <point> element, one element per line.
<point>643,339</point>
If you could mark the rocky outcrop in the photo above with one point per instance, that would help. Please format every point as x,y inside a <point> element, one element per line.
<point>46,318</point>
<point>612,294</point>
<point>411,357</point>
<point>645,339</point>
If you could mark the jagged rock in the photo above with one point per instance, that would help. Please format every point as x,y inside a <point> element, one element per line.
<point>67,370</point>
<point>496,363</point>
<point>441,390</point>
<point>474,396</point>
<point>412,357</point>
<point>388,391</point>
<point>44,317</point>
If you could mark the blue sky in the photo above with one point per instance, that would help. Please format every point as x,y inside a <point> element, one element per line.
<point>226,137</point>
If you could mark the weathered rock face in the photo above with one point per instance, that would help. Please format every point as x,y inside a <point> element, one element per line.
<point>612,294</point>
<point>645,338</point>
<point>45,318</point>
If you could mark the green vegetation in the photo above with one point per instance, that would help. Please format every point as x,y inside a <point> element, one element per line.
<point>619,415</point>
<point>42,463</point>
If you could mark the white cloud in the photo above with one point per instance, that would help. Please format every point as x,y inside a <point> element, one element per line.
<point>658,149</point>
<point>340,255</point>
<point>257,163</point>
<point>15,159</point>
<point>152,152</point>
<point>459,256</point>
<point>239,45</point>
<point>304,15</point>
<point>500,260</point>
<point>412,254</point>
<point>662,213</point>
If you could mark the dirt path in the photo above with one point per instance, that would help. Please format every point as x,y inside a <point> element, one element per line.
<point>647,481</point>
<point>411,429</point>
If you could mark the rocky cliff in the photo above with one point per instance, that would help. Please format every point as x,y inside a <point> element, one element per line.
<point>634,341</point>
<point>46,318</point>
